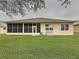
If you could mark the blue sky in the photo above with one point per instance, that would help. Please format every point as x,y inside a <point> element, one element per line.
<point>53,10</point>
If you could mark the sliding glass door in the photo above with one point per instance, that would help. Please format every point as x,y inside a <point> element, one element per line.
<point>31,27</point>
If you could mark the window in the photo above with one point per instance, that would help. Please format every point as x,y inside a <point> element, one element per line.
<point>67,27</point>
<point>30,28</point>
<point>25,27</point>
<point>38,28</point>
<point>14,27</point>
<point>20,28</point>
<point>64,27</point>
<point>9,29</point>
<point>49,27</point>
<point>34,24</point>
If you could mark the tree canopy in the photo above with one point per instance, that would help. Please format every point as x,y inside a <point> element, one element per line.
<point>15,7</point>
<point>65,2</point>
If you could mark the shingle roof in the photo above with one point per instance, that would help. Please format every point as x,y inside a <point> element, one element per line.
<point>38,20</point>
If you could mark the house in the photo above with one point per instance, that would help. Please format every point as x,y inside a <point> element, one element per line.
<point>2,28</point>
<point>76,27</point>
<point>39,26</point>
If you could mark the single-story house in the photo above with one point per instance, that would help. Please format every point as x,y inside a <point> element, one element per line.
<point>39,26</point>
<point>2,28</point>
<point>76,27</point>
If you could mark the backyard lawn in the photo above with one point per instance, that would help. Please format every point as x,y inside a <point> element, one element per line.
<point>39,47</point>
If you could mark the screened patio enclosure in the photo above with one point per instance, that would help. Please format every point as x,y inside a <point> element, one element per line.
<point>23,27</point>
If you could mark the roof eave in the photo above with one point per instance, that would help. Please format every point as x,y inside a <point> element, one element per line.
<point>38,20</point>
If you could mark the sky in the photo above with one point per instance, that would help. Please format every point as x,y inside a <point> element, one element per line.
<point>53,10</point>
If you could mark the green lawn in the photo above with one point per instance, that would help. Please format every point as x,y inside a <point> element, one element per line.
<point>39,47</point>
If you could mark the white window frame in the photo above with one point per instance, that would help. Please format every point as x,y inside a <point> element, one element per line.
<point>64,28</point>
<point>49,27</point>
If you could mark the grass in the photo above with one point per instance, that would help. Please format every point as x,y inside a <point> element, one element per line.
<point>39,47</point>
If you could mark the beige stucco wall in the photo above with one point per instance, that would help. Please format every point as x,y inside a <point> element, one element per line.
<point>57,29</point>
<point>43,28</point>
<point>76,28</point>
<point>2,31</point>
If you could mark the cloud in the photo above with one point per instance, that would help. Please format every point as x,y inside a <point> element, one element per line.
<point>53,10</point>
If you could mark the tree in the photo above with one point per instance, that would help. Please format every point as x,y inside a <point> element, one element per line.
<point>65,2</point>
<point>15,7</point>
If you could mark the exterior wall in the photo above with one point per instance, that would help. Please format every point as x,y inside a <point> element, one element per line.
<point>76,28</point>
<point>57,29</point>
<point>2,31</point>
<point>43,28</point>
